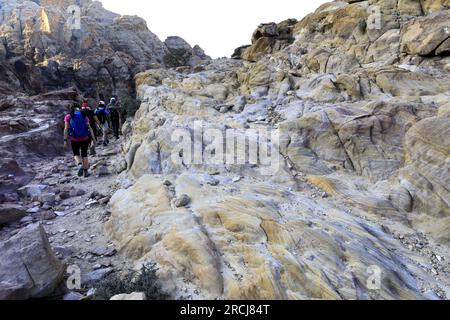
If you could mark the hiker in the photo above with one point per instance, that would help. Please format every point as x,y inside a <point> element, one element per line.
<point>78,128</point>
<point>87,110</point>
<point>102,115</point>
<point>115,115</point>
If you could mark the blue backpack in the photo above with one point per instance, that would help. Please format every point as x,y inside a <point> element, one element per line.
<point>101,114</point>
<point>78,126</point>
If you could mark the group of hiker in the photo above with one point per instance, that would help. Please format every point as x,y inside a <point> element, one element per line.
<point>84,126</point>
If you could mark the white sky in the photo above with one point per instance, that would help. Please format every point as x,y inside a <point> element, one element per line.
<point>217,26</point>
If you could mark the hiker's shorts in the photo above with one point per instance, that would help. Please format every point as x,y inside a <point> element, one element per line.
<point>80,148</point>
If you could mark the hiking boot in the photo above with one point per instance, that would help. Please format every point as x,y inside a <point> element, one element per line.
<point>86,173</point>
<point>80,171</point>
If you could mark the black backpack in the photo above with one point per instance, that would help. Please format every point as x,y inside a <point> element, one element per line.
<point>88,112</point>
<point>114,113</point>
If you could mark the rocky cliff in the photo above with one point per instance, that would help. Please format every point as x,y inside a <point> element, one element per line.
<point>52,54</point>
<point>358,93</point>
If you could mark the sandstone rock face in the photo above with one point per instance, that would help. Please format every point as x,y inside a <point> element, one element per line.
<point>28,267</point>
<point>427,35</point>
<point>54,53</point>
<point>360,161</point>
<point>50,45</point>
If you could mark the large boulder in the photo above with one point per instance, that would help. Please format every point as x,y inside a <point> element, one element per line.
<point>427,35</point>
<point>182,54</point>
<point>28,266</point>
<point>267,38</point>
<point>32,191</point>
<point>11,213</point>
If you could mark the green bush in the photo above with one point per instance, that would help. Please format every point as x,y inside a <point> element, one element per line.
<point>145,281</point>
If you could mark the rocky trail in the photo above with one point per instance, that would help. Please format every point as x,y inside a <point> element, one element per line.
<point>72,211</point>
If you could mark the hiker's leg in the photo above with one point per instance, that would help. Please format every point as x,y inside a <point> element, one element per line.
<point>76,147</point>
<point>105,133</point>
<point>116,128</point>
<point>84,154</point>
<point>76,152</point>
<point>78,160</point>
<point>85,163</point>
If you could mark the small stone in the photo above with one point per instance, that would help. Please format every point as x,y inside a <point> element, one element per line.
<point>182,201</point>
<point>95,276</point>
<point>224,109</point>
<point>48,198</point>
<point>104,251</point>
<point>93,195</point>
<point>26,220</point>
<point>236,179</point>
<point>103,171</point>
<point>91,203</point>
<point>91,292</point>
<point>135,296</point>
<point>34,210</point>
<point>73,296</point>
<point>64,251</point>
<point>65,195</point>
<point>62,230</point>
<point>213,182</point>
<point>104,201</point>
<point>167,183</point>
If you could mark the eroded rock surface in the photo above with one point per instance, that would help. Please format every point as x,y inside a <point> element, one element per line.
<point>362,182</point>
